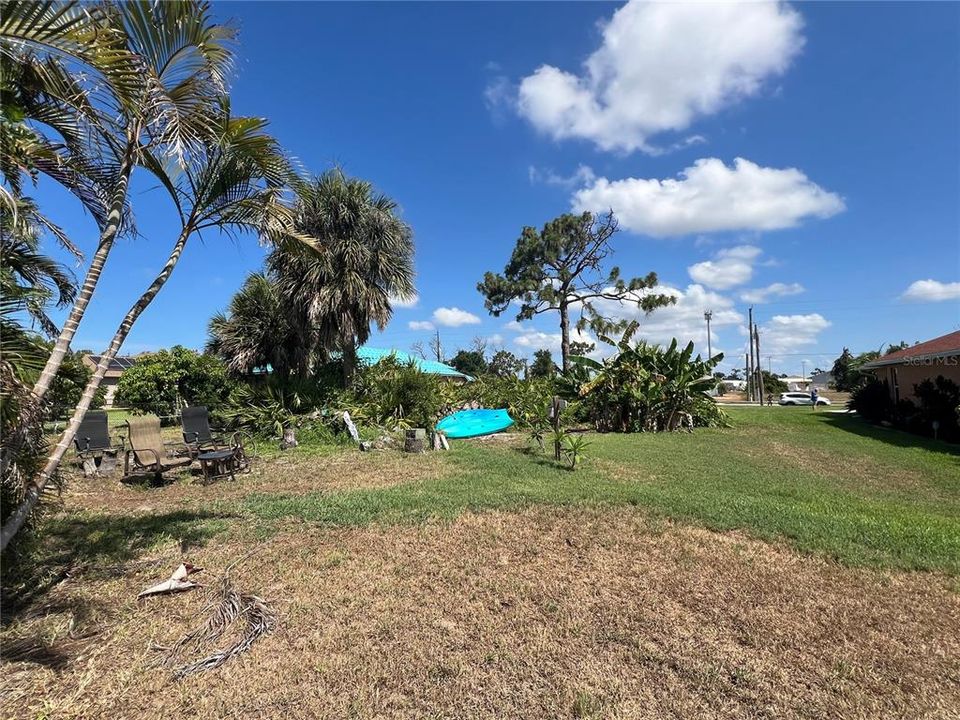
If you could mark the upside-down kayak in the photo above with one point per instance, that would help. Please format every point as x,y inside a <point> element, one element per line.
<point>472,423</point>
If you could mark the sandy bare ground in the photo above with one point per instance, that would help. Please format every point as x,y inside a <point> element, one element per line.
<point>542,614</point>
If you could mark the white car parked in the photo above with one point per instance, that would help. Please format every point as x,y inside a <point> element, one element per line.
<point>801,398</point>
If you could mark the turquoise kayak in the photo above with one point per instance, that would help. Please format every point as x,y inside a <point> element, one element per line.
<point>471,423</point>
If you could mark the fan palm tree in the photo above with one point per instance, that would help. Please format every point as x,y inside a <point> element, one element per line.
<point>253,333</point>
<point>234,185</point>
<point>364,255</point>
<point>158,72</point>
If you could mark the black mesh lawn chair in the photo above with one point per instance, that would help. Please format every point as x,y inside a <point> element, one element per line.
<point>199,438</point>
<point>94,448</point>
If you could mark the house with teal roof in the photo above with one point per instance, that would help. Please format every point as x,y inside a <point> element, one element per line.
<point>371,356</point>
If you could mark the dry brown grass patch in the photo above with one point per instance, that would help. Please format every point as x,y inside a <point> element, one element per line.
<point>545,613</point>
<point>293,474</point>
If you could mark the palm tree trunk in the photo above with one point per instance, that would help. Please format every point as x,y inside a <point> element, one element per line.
<point>19,516</point>
<point>109,234</point>
<point>348,355</point>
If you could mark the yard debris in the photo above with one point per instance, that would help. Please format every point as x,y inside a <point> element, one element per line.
<point>351,428</point>
<point>178,582</point>
<point>226,608</point>
<point>289,439</point>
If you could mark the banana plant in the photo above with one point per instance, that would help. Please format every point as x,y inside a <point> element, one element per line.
<point>642,387</point>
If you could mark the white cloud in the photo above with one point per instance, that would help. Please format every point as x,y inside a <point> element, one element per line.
<point>454,317</point>
<point>537,340</point>
<point>406,303</point>
<point>499,96</point>
<point>785,333</point>
<point>581,176</point>
<point>661,66</point>
<point>932,291</point>
<point>729,268</point>
<point>514,325</point>
<point>420,325</point>
<point>684,320</point>
<point>711,197</point>
<point>777,289</point>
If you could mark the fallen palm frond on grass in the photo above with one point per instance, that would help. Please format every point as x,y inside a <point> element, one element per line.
<point>228,609</point>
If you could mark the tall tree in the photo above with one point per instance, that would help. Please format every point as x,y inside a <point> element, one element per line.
<point>847,373</point>
<point>469,362</point>
<point>542,365</point>
<point>363,257</point>
<point>559,269</point>
<point>233,185</point>
<point>505,364</point>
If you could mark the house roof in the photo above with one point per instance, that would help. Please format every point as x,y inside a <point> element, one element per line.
<point>371,355</point>
<point>116,366</point>
<point>944,346</point>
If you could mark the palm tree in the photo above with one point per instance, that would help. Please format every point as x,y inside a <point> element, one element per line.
<point>235,186</point>
<point>21,357</point>
<point>29,278</point>
<point>364,255</point>
<point>29,282</point>
<point>157,73</point>
<point>253,333</point>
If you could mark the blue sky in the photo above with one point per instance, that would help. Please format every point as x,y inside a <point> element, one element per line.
<point>480,118</point>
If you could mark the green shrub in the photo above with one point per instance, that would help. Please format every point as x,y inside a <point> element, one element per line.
<point>266,408</point>
<point>872,402</point>
<point>395,394</point>
<point>937,401</point>
<point>67,387</point>
<point>166,381</point>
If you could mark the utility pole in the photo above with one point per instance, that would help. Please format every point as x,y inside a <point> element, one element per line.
<point>707,316</point>
<point>769,367</point>
<point>756,335</point>
<point>752,368</point>
<point>803,372</point>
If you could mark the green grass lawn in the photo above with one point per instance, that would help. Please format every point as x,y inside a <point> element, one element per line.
<point>825,483</point>
<point>822,481</point>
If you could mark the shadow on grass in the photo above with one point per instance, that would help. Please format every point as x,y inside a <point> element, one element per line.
<point>544,458</point>
<point>855,424</point>
<point>99,545</point>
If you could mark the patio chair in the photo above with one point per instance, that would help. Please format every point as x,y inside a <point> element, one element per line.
<point>148,452</point>
<point>95,450</point>
<point>199,438</point>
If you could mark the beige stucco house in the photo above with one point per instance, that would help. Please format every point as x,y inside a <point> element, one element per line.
<point>903,369</point>
<point>116,368</point>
